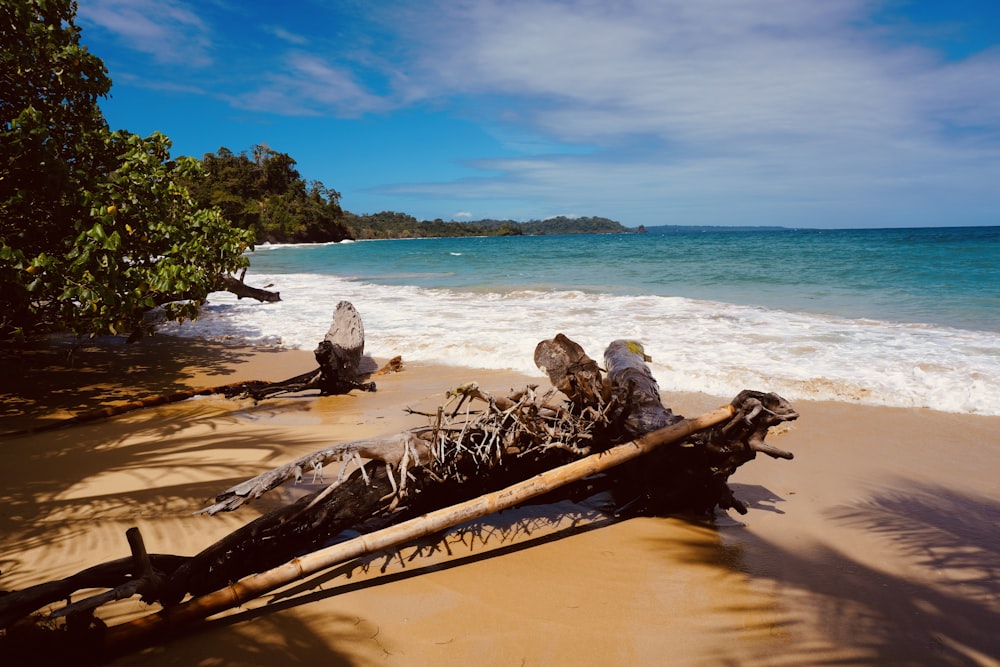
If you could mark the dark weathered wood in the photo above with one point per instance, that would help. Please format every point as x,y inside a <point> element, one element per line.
<point>467,452</point>
<point>227,283</point>
<point>673,482</point>
<point>686,478</point>
<point>286,532</point>
<point>570,370</point>
<point>634,389</point>
<point>389,450</point>
<point>251,587</point>
<point>15,605</point>
<point>694,478</point>
<point>145,582</point>
<point>341,351</point>
<point>340,356</point>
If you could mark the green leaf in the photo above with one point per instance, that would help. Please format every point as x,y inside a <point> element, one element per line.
<point>92,268</point>
<point>113,242</point>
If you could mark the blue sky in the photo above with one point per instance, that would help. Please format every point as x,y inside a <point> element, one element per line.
<point>824,113</point>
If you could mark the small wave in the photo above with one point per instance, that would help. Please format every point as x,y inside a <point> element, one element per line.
<point>703,346</point>
<point>266,245</point>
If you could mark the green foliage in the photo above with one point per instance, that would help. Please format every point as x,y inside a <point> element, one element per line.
<point>509,229</point>
<point>264,193</point>
<point>96,227</point>
<point>581,225</point>
<point>557,225</point>
<point>392,225</point>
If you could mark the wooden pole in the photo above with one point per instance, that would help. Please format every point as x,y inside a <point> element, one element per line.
<point>255,585</point>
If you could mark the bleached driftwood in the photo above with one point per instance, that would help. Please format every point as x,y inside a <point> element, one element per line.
<point>391,450</point>
<point>510,439</point>
<point>256,585</point>
<point>340,355</point>
<point>478,453</point>
<point>234,285</point>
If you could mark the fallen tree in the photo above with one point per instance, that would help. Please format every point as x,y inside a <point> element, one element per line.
<point>588,433</point>
<point>340,358</point>
<point>234,285</point>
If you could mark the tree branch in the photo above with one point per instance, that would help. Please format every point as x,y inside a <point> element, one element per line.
<point>228,283</point>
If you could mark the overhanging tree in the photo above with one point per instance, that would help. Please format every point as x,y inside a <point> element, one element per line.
<point>96,227</point>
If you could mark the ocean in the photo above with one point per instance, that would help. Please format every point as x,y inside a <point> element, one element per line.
<point>894,317</point>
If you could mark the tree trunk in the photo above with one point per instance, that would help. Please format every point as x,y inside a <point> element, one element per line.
<point>634,389</point>
<point>519,442</point>
<point>254,586</point>
<point>341,351</point>
<point>228,283</point>
<point>570,371</point>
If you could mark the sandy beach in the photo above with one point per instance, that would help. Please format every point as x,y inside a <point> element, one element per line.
<point>877,545</point>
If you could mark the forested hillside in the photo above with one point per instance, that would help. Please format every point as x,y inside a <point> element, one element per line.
<point>389,224</point>
<point>261,190</point>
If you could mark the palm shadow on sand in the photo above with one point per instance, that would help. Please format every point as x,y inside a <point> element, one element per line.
<point>73,376</point>
<point>947,616</point>
<point>868,616</point>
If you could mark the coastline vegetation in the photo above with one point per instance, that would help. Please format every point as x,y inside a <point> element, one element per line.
<point>388,225</point>
<point>100,226</point>
<point>262,191</point>
<point>96,226</point>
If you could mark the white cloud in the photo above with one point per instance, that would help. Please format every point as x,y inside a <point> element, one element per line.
<point>310,85</point>
<point>165,29</point>
<point>287,36</point>
<point>696,101</point>
<point>714,108</point>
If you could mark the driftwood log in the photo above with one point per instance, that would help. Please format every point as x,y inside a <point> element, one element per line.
<point>340,356</point>
<point>590,433</point>
<point>254,586</point>
<point>228,283</point>
<point>341,360</point>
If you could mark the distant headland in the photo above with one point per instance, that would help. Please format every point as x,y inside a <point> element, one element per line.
<point>391,225</point>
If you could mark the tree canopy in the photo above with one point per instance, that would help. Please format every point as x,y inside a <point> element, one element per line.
<point>263,192</point>
<point>393,225</point>
<point>96,227</point>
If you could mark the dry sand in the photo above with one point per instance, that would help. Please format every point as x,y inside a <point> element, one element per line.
<point>877,545</point>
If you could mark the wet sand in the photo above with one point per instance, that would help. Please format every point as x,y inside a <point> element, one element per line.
<point>877,545</point>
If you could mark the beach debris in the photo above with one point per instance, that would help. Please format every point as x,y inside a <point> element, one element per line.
<point>341,359</point>
<point>590,433</point>
<point>341,352</point>
<point>256,585</point>
<point>343,368</point>
<point>234,285</point>
<point>394,365</point>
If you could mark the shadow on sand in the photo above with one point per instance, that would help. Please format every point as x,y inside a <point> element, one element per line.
<point>43,382</point>
<point>945,615</point>
<point>940,608</point>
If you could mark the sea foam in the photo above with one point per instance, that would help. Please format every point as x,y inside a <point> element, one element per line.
<point>703,346</point>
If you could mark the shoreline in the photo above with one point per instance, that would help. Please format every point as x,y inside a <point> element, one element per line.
<point>441,304</point>
<point>875,545</point>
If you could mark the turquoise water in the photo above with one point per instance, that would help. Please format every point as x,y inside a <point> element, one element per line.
<point>939,276</point>
<point>907,318</point>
